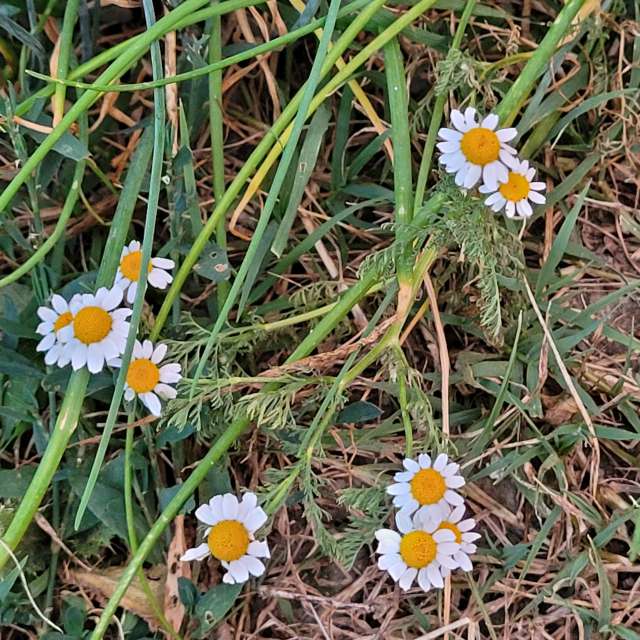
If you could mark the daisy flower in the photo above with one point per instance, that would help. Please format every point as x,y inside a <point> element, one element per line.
<point>53,321</point>
<point>463,531</point>
<point>146,378</point>
<point>473,150</point>
<point>515,190</point>
<point>420,550</point>
<point>129,271</point>
<point>98,330</point>
<point>427,485</point>
<point>230,536</point>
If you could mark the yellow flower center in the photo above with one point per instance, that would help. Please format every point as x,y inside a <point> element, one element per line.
<point>92,324</point>
<point>418,549</point>
<point>143,375</point>
<point>428,486</point>
<point>480,146</point>
<point>130,265</point>
<point>516,188</point>
<point>63,320</point>
<point>228,540</point>
<point>454,528</point>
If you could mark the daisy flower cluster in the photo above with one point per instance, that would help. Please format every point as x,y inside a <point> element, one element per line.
<point>432,538</point>
<point>90,330</point>
<point>477,151</point>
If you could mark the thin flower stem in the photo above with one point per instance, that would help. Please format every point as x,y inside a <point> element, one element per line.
<point>131,530</point>
<point>66,46</point>
<point>216,127</point>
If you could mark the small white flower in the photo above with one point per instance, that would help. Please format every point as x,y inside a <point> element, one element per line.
<point>421,551</point>
<point>53,321</point>
<point>99,329</point>
<point>129,271</point>
<point>514,192</point>
<point>473,151</point>
<point>146,378</point>
<point>230,536</point>
<point>428,485</point>
<point>463,531</point>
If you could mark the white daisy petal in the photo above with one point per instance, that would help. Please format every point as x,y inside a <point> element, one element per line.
<point>158,354</point>
<point>447,561</point>
<point>538,186</point>
<point>504,135</point>
<point>448,548</point>
<point>470,117</point>
<point>255,519</point>
<point>490,122</point>
<point>463,561</point>
<point>197,553</point>
<point>403,522</point>
<point>411,465</point>
<point>450,134</point>
<point>239,570</point>
<point>454,482</point>
<point>46,343</point>
<point>398,489</point>
<point>254,566</point>
<point>423,579</point>
<point>152,402</point>
<point>458,120</point>
<point>259,549</point>
<point>46,314</point>
<point>435,577</point>
<point>407,578</point>
<point>440,462</point>
<point>131,292</point>
<point>163,263</point>
<point>472,176</point>
<point>536,197</point>
<point>466,525</point>
<point>444,535</point>
<point>397,569</point>
<point>424,461</point>
<point>388,560</point>
<point>205,514</point>
<point>384,535</point>
<point>511,209</point>
<point>229,506</point>
<point>453,498</point>
<point>524,208</point>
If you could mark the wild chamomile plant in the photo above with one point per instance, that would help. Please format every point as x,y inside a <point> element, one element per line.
<point>89,332</point>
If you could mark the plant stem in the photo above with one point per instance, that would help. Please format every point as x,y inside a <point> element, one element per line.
<point>66,46</point>
<point>216,127</point>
